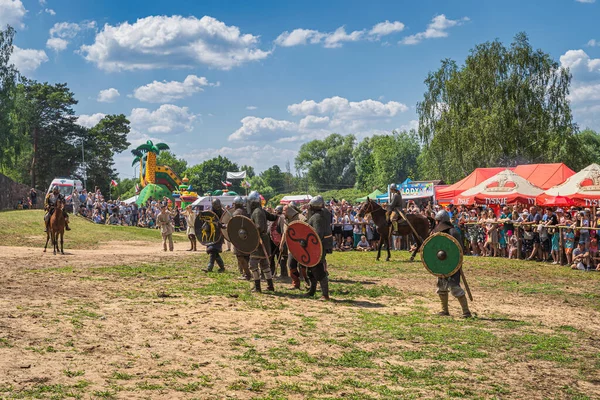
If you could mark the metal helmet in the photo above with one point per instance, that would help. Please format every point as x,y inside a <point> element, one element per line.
<point>238,201</point>
<point>442,216</point>
<point>317,202</point>
<point>279,209</point>
<point>55,188</point>
<point>253,198</point>
<point>393,187</point>
<point>293,204</point>
<point>216,204</point>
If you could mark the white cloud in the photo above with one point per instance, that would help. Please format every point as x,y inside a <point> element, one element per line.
<point>593,43</point>
<point>251,108</point>
<point>160,92</point>
<point>437,28</point>
<point>108,95</point>
<point>585,92</point>
<point>161,42</point>
<point>57,44</point>
<point>580,64</point>
<point>27,60</point>
<point>168,118</point>
<point>586,1</point>
<point>255,128</point>
<point>12,13</point>
<point>413,124</point>
<point>386,28</point>
<point>42,3</point>
<point>63,32</point>
<point>341,108</point>
<point>337,38</point>
<point>50,11</point>
<point>89,121</point>
<point>335,114</point>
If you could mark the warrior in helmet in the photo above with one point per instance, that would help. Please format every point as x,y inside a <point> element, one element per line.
<point>50,206</point>
<point>394,208</point>
<point>292,213</point>
<point>258,259</point>
<point>278,249</point>
<point>214,249</point>
<point>320,219</point>
<point>242,258</point>
<point>452,284</point>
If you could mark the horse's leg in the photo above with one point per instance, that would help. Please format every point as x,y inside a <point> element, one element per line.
<point>54,240</point>
<point>389,241</point>
<point>47,240</point>
<point>381,240</point>
<point>62,236</point>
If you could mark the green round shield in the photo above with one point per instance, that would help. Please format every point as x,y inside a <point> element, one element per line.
<point>441,255</point>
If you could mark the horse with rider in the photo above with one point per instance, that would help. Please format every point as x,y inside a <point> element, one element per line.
<point>50,205</point>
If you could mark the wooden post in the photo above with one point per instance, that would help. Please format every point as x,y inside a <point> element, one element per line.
<point>561,245</point>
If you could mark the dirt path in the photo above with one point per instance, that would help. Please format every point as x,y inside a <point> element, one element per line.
<point>121,337</point>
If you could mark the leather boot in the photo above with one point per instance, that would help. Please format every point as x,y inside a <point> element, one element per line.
<point>295,280</point>
<point>465,306</point>
<point>270,287</point>
<point>284,270</point>
<point>220,263</point>
<point>194,244</point>
<point>257,286</point>
<point>191,245</point>
<point>211,263</point>
<point>312,289</point>
<point>444,300</point>
<point>324,288</point>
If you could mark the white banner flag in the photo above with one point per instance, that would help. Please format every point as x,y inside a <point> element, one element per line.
<point>236,175</point>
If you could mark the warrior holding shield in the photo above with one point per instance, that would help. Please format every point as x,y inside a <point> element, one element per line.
<point>441,254</point>
<point>243,259</point>
<point>214,241</point>
<point>260,257</point>
<point>320,219</point>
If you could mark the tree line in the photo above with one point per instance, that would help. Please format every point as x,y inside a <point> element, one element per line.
<point>39,135</point>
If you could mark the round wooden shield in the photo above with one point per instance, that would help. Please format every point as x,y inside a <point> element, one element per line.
<point>208,228</point>
<point>304,243</point>
<point>441,254</point>
<point>225,218</point>
<point>243,234</point>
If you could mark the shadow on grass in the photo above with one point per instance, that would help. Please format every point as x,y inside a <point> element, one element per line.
<point>350,281</point>
<point>297,294</point>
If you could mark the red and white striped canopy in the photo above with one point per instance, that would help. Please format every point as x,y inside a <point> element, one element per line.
<point>506,187</point>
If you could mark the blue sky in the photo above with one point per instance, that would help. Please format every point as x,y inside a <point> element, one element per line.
<point>254,80</point>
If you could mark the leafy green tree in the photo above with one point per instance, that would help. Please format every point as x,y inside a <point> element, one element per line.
<point>249,171</point>
<point>207,176</point>
<point>259,184</point>
<point>274,178</point>
<point>178,165</point>
<point>504,106</point>
<point>328,163</point>
<point>125,188</point>
<point>365,163</point>
<point>101,142</point>
<point>8,76</point>
<point>587,149</point>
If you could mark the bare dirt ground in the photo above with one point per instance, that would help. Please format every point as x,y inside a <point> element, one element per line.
<point>127,320</point>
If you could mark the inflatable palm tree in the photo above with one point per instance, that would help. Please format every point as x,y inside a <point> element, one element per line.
<point>148,150</point>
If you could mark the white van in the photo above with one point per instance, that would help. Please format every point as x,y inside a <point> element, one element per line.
<point>66,187</point>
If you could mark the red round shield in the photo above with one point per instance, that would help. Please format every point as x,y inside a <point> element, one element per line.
<point>304,243</point>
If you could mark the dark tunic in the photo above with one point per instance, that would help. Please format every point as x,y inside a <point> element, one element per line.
<point>396,203</point>
<point>259,217</point>
<point>321,222</point>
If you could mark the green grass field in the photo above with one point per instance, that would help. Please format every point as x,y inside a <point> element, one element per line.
<point>165,329</point>
<point>26,228</point>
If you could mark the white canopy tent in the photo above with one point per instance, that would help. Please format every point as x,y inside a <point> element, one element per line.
<point>302,198</point>
<point>130,200</point>
<point>205,201</point>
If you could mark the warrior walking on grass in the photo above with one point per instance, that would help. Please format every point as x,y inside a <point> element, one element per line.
<point>320,219</point>
<point>260,257</point>
<point>292,213</point>
<point>242,258</point>
<point>451,284</point>
<point>214,249</point>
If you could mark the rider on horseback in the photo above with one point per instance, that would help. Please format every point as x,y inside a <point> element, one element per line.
<point>394,208</point>
<point>50,205</point>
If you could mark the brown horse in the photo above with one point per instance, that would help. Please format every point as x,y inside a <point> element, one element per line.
<point>56,228</point>
<point>420,223</point>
